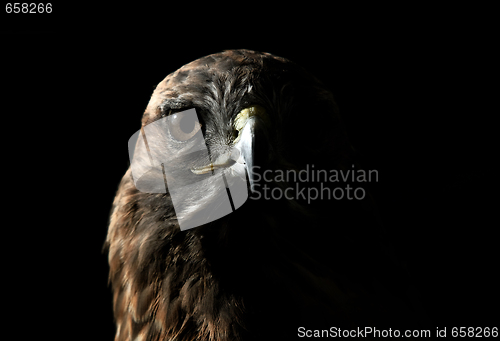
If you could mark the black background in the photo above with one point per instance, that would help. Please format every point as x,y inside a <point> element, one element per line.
<point>410,93</point>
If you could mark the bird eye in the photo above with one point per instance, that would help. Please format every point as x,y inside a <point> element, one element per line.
<point>183,126</point>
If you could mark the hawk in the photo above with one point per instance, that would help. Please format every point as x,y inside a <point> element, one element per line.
<point>271,266</point>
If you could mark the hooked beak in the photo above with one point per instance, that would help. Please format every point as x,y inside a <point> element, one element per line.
<point>245,148</point>
<point>242,151</point>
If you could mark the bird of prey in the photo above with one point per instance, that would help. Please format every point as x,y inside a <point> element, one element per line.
<point>273,265</point>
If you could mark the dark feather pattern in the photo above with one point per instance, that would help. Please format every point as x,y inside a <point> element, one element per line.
<point>271,266</point>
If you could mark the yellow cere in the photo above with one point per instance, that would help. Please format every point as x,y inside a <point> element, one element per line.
<point>243,116</point>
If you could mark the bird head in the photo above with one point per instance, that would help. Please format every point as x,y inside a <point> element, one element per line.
<point>213,126</point>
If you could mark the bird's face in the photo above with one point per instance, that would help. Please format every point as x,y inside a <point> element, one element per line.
<point>213,125</point>
<point>199,134</point>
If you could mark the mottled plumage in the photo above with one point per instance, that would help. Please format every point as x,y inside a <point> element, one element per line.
<point>272,265</point>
